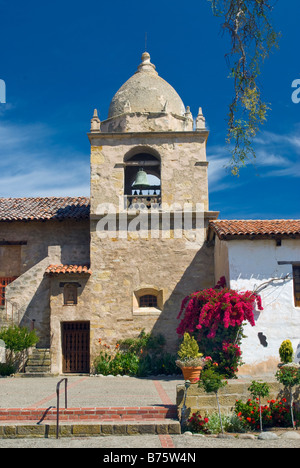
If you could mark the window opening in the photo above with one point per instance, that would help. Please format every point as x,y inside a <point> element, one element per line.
<point>148,301</point>
<point>142,187</point>
<point>296,274</point>
<point>4,282</point>
<point>70,294</point>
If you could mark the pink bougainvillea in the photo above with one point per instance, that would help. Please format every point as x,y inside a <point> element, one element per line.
<point>216,307</point>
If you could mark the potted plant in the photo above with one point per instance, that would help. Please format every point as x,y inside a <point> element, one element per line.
<point>190,361</point>
<point>286,353</point>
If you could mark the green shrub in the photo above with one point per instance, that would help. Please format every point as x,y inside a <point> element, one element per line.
<point>288,376</point>
<point>119,364</point>
<point>189,348</point>
<point>141,356</point>
<point>286,352</point>
<point>198,424</point>
<point>6,369</point>
<point>18,339</point>
<point>156,364</point>
<point>275,414</point>
<point>211,381</point>
<point>144,343</point>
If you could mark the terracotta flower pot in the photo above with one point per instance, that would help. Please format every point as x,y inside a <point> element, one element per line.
<point>191,373</point>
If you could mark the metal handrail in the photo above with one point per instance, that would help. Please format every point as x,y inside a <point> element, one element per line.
<point>57,405</point>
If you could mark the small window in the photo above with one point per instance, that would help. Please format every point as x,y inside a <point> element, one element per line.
<point>3,283</point>
<point>70,294</point>
<point>296,274</point>
<point>148,301</point>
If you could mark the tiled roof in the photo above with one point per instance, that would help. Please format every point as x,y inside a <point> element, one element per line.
<point>68,269</point>
<point>25,209</point>
<point>241,229</point>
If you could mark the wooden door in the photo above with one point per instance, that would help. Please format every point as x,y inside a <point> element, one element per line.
<point>76,347</point>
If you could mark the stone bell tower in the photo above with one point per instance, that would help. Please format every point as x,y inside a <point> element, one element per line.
<point>148,169</point>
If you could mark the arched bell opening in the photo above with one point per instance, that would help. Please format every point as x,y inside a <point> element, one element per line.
<point>142,181</point>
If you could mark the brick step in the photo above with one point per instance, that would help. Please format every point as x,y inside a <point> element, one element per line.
<point>141,413</point>
<point>159,427</point>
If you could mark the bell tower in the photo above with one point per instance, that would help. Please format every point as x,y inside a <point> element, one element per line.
<point>148,164</point>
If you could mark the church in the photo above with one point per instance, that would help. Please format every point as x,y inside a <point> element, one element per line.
<point>80,270</point>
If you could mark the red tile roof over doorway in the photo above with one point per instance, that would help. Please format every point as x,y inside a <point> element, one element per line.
<point>59,208</point>
<point>245,229</point>
<point>68,269</point>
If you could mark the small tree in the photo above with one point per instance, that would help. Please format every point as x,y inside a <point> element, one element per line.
<point>215,317</point>
<point>211,382</point>
<point>17,341</point>
<point>289,376</point>
<point>286,352</point>
<point>259,390</point>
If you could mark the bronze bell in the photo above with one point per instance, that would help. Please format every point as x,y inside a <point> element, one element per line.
<point>141,181</point>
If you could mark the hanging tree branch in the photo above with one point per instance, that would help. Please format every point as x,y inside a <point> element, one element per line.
<point>252,38</point>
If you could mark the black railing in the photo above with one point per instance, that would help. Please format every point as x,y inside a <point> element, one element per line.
<point>142,202</point>
<point>57,405</point>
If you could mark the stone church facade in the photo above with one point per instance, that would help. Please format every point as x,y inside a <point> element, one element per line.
<point>108,266</point>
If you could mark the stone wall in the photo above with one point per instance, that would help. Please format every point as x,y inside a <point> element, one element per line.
<point>43,243</point>
<point>265,267</point>
<point>125,263</point>
<point>122,267</point>
<point>67,313</point>
<point>198,400</point>
<point>183,166</point>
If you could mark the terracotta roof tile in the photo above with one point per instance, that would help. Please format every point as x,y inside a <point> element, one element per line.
<point>68,269</point>
<point>25,209</point>
<point>236,229</point>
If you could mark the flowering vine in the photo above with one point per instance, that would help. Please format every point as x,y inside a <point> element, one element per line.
<point>215,316</point>
<point>217,306</point>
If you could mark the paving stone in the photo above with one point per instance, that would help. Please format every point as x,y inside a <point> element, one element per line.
<point>290,435</point>
<point>132,429</point>
<point>174,428</point>
<point>120,429</point>
<point>162,429</point>
<point>107,429</point>
<point>267,436</point>
<point>147,428</point>
<point>31,431</point>
<point>86,429</point>
<point>247,436</point>
<point>10,431</point>
<point>225,436</point>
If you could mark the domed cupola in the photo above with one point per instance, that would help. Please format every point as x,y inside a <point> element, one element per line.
<point>146,91</point>
<point>146,102</point>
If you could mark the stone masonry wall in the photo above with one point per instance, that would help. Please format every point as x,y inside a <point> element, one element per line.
<point>28,297</point>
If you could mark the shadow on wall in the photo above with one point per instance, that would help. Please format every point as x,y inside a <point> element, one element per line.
<point>31,307</point>
<point>199,275</point>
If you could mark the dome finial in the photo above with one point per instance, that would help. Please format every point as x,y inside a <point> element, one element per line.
<point>146,65</point>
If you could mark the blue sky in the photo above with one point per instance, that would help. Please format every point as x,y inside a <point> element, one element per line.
<point>61,59</point>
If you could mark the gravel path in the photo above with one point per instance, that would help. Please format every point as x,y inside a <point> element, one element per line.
<point>148,442</point>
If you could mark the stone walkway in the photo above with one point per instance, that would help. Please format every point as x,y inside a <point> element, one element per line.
<point>121,399</point>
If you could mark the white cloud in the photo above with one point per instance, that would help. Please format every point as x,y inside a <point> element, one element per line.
<point>32,164</point>
<point>276,156</point>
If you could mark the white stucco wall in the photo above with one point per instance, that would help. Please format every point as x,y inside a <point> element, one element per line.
<point>250,264</point>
